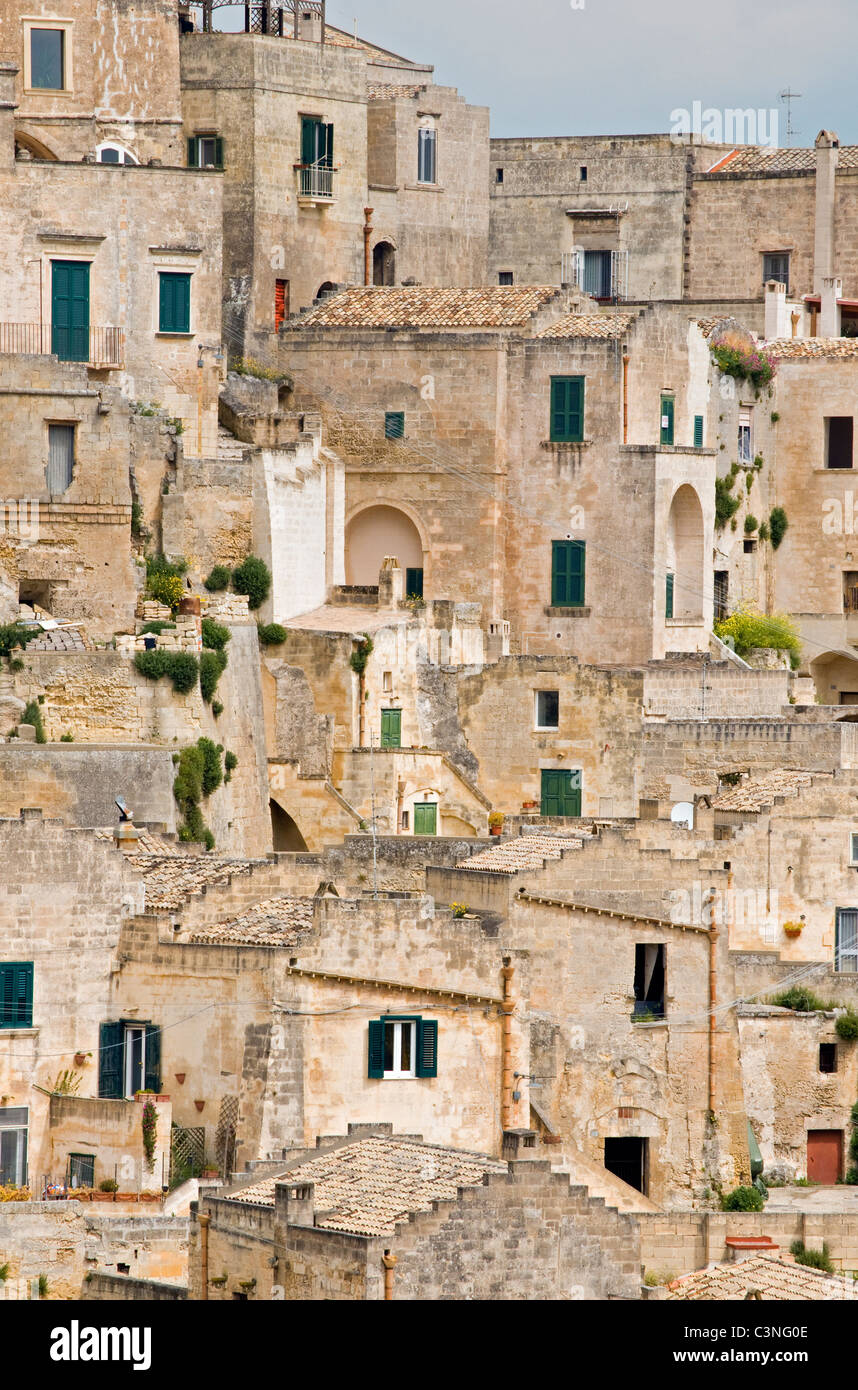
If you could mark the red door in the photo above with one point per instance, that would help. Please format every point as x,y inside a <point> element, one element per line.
<point>825,1155</point>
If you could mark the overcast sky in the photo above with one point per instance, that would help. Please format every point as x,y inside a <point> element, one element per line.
<point>622,66</point>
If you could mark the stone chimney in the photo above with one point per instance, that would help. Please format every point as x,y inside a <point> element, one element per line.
<point>777,315</point>
<point>829,318</point>
<point>309,24</point>
<point>295,1203</point>
<point>827,157</point>
<point>391,583</point>
<point>8,107</point>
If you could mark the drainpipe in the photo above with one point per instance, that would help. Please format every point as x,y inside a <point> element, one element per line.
<point>625,397</point>
<point>507,1079</point>
<point>367,238</point>
<point>389,1261</point>
<point>713,991</point>
<point>204,1254</point>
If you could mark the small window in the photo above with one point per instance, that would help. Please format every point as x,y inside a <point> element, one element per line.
<point>568,577</point>
<point>81,1170</point>
<point>281,303</point>
<point>394,424</point>
<point>650,980</point>
<point>746,448</point>
<point>846,946</point>
<point>776,267</point>
<point>114,154</point>
<point>60,469</point>
<point>403,1048</point>
<point>583,173</point>
<point>414,583</point>
<point>405,821</point>
<point>498,175</point>
<point>14,1121</point>
<point>749,547</point>
<point>48,59</point>
<point>828,1058</point>
<point>698,431</point>
<point>16,994</point>
<point>721,594</point>
<point>668,598</point>
<point>387,682</point>
<point>547,709</point>
<point>506,277</point>
<point>668,408</point>
<point>205,152</point>
<point>838,441</point>
<point>567,409</point>
<point>427,146</point>
<point>174,308</point>
<point>853,843</point>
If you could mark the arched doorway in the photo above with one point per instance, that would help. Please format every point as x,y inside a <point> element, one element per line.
<point>684,560</point>
<point>377,532</point>
<point>384,264</point>
<point>327,288</point>
<point>34,147</point>
<point>286,836</point>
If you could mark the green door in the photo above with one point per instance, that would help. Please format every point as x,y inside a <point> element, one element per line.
<point>426,818</point>
<point>561,793</point>
<point>391,728</point>
<point>667,415</point>
<point>70,310</point>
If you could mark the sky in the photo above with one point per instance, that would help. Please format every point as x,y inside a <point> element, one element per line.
<point>568,67</point>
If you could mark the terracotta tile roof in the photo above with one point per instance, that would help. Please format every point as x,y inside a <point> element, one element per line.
<point>753,159</point>
<point>170,881</point>
<point>277,922</point>
<point>589,326</point>
<point>367,1187</point>
<point>775,1279</point>
<point>813,347</point>
<point>757,792</point>
<point>390,91</point>
<point>708,326</point>
<point>417,307</point>
<point>148,843</point>
<point>526,852</point>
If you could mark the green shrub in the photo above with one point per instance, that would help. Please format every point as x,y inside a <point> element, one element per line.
<point>230,762</point>
<point>218,580</point>
<point>217,709</point>
<point>155,629</point>
<point>778,524</point>
<point>215,635</point>
<point>742,360</point>
<point>252,578</point>
<point>33,715</point>
<point>212,768</point>
<point>212,667</point>
<point>67,738</point>
<point>14,635</point>
<point>815,1259</point>
<point>361,655</point>
<point>764,532</point>
<point>846,1026</point>
<point>800,999</point>
<point>108,1185</point>
<point>164,580</point>
<point>271,634</point>
<point>726,505</point>
<point>751,524</point>
<point>750,629</point>
<point>743,1199</point>
<point>188,785</point>
<point>182,668</point>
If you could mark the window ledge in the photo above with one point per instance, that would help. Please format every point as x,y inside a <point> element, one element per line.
<point>19,1032</point>
<point>684,622</point>
<point>424,188</point>
<point>565,443</point>
<point>828,471</point>
<point>162,333</point>
<point>570,612</point>
<point>553,729</point>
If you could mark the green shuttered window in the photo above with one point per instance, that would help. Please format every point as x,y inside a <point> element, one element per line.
<point>402,1047</point>
<point>16,994</point>
<point>668,598</point>
<point>174,305</point>
<point>668,410</point>
<point>698,431</point>
<point>113,1043</point>
<point>568,573</point>
<point>391,728</point>
<point>205,152</point>
<point>394,424</point>
<point>567,409</point>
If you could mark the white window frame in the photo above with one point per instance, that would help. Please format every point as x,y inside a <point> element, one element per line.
<point>545,728</point>
<point>427,123</point>
<point>746,434</point>
<point>126,156</point>
<point>853,849</point>
<point>66,26</point>
<point>397,1074</point>
<point>19,1129</point>
<point>131,1028</point>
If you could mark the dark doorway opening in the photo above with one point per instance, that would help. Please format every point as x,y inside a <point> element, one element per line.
<point>627,1159</point>
<point>285,834</point>
<point>384,264</point>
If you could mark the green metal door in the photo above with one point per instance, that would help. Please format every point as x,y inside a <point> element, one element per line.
<point>667,417</point>
<point>70,310</point>
<point>391,728</point>
<point>561,793</point>
<point>426,818</point>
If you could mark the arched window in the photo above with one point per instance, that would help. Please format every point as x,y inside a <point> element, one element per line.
<point>111,153</point>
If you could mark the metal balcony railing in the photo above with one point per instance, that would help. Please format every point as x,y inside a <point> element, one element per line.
<point>316,182</point>
<point>95,347</point>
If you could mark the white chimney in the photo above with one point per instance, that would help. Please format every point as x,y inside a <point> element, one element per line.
<point>829,318</point>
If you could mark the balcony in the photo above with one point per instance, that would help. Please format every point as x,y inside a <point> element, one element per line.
<point>602,274</point>
<point>102,348</point>
<point>315,183</point>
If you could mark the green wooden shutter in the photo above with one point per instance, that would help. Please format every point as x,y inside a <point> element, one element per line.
<point>568,573</point>
<point>567,409</point>
<point>309,140</point>
<point>667,414</point>
<point>391,728</point>
<point>174,309</point>
<point>152,1080</point>
<point>70,310</point>
<point>425,818</point>
<point>559,573</point>
<point>328,156</point>
<point>376,1049</point>
<point>111,1060</point>
<point>219,152</point>
<point>193,152</point>
<point>698,431</point>
<point>668,604</point>
<point>394,424</point>
<point>577,564</point>
<point>427,1047</point>
<point>16,994</point>
<point>572,793</point>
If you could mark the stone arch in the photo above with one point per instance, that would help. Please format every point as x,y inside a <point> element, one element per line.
<point>685,554</point>
<point>327,287</point>
<point>377,530</point>
<point>34,147</point>
<point>835,676</point>
<point>384,263</point>
<point>286,837</point>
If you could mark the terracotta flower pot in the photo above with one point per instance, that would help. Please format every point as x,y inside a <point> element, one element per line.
<point>495,829</point>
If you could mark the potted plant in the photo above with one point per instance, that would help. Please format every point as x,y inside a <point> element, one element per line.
<point>80,1058</point>
<point>496,823</point>
<point>794,929</point>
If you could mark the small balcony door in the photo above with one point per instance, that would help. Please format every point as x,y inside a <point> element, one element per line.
<point>561,793</point>
<point>426,818</point>
<point>70,310</point>
<point>135,1061</point>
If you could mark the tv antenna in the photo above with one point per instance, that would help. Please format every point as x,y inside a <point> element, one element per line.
<point>789,97</point>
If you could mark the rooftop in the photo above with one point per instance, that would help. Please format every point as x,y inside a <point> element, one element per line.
<point>758,792</point>
<point>526,852</point>
<point>365,1188</point>
<point>611,326</point>
<point>772,1278</point>
<point>498,306</point>
<point>392,91</point>
<point>813,347</point>
<point>753,159</point>
<point>277,922</point>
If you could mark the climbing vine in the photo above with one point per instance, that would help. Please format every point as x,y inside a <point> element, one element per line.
<point>150,1127</point>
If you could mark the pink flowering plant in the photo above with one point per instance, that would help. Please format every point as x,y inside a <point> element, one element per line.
<point>739,358</point>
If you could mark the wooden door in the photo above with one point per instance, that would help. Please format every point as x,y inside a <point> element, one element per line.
<point>426,818</point>
<point>825,1155</point>
<point>70,310</point>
